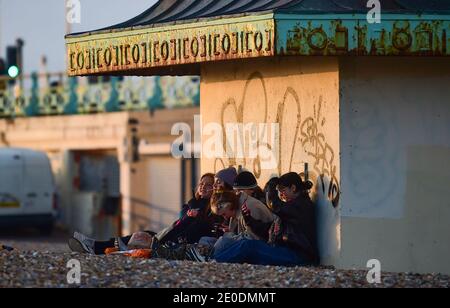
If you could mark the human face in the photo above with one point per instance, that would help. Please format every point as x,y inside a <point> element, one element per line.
<point>224,210</point>
<point>228,214</point>
<point>287,194</point>
<point>205,187</point>
<point>219,185</point>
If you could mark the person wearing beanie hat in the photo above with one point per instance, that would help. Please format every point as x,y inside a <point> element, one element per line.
<point>224,179</point>
<point>246,182</point>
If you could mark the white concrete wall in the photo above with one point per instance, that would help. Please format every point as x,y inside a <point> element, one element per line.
<point>395,163</point>
<point>155,192</point>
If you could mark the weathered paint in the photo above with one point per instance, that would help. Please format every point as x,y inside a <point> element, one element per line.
<point>167,46</point>
<point>397,35</point>
<point>132,51</point>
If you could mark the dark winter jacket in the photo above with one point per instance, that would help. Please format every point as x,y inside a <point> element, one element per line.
<point>192,229</point>
<point>194,204</point>
<point>297,226</point>
<point>294,226</point>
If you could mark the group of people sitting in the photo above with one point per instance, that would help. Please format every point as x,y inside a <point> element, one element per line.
<point>232,220</point>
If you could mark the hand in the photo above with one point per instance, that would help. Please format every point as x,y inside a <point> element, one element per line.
<point>276,228</point>
<point>193,213</point>
<point>246,212</point>
<point>224,228</point>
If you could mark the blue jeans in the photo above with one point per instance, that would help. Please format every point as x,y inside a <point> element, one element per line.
<point>258,253</point>
<point>223,243</point>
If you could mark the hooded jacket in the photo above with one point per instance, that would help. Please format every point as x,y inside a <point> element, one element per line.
<point>260,215</point>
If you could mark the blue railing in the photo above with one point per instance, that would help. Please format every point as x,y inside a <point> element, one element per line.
<point>55,94</point>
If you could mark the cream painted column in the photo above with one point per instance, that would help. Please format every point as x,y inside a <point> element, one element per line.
<point>301,96</point>
<point>123,152</point>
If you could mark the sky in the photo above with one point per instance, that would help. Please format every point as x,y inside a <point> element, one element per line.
<point>41,24</point>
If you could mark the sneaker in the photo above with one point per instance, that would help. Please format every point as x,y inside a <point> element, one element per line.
<point>206,251</point>
<point>155,244</point>
<point>170,251</point>
<point>81,244</point>
<point>119,244</point>
<point>6,248</point>
<point>194,255</point>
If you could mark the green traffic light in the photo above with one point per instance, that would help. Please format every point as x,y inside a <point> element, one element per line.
<point>13,71</point>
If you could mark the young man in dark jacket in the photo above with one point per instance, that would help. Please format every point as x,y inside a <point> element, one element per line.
<point>292,236</point>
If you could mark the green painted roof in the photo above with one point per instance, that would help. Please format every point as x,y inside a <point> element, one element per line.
<point>172,11</point>
<point>174,37</point>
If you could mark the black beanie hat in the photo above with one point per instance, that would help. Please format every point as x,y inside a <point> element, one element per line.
<point>245,180</point>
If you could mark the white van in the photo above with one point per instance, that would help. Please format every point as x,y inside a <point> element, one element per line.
<point>27,190</point>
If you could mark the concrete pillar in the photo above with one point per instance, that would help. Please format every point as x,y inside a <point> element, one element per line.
<point>301,96</point>
<point>125,184</point>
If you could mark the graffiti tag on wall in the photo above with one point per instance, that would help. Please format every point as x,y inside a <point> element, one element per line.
<point>308,136</point>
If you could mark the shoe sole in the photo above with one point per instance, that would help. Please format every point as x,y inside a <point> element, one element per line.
<point>76,246</point>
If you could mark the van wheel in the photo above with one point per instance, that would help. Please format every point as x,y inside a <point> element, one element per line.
<point>46,230</point>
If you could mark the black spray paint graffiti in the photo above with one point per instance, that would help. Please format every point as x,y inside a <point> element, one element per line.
<point>314,142</point>
<point>307,133</point>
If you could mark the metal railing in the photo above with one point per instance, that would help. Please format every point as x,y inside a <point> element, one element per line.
<point>57,94</point>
